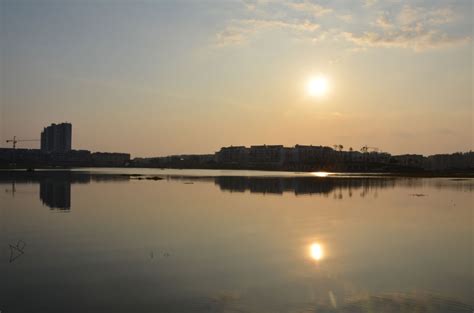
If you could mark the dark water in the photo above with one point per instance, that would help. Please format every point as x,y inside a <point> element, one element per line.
<point>196,242</point>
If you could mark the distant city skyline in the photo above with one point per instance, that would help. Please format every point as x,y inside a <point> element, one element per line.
<point>189,77</point>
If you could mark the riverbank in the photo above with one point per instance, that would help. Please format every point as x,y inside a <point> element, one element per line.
<point>143,171</point>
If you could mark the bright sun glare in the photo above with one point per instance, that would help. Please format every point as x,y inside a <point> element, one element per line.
<point>316,251</point>
<point>317,86</point>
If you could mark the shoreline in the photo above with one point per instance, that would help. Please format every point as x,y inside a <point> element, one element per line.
<point>246,172</point>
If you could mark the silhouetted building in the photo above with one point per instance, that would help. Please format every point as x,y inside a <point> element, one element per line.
<point>71,158</point>
<point>22,156</point>
<point>110,159</point>
<point>455,161</point>
<point>56,138</point>
<point>409,160</point>
<point>233,155</point>
<point>311,157</point>
<point>270,155</point>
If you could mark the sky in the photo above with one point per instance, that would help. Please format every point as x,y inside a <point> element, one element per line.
<point>156,78</point>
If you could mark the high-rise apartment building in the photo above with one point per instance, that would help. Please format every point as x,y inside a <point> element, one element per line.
<point>56,138</point>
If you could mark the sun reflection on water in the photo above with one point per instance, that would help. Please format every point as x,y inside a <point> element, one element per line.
<point>320,174</point>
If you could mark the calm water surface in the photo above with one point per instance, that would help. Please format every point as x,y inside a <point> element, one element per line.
<point>230,241</point>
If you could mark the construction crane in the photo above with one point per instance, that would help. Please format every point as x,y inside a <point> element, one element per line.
<point>14,141</point>
<point>366,149</point>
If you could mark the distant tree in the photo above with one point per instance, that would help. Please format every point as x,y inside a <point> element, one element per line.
<point>338,147</point>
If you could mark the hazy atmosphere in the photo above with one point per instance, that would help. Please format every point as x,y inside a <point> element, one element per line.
<point>168,77</point>
<point>251,156</point>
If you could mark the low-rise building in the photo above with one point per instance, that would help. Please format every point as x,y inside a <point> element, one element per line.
<point>312,154</point>
<point>110,159</point>
<point>232,155</point>
<point>267,155</point>
<point>455,161</point>
<point>71,158</point>
<point>409,160</point>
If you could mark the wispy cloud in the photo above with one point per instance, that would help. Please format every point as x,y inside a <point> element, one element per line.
<point>416,40</point>
<point>233,35</point>
<point>383,21</point>
<point>409,27</point>
<point>412,28</point>
<point>369,3</point>
<point>345,17</point>
<point>249,4</point>
<point>252,5</point>
<point>310,8</point>
<point>239,31</point>
<point>409,16</point>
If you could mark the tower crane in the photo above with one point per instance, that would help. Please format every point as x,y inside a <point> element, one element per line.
<point>14,141</point>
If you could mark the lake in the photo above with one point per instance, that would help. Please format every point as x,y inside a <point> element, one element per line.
<point>125,240</point>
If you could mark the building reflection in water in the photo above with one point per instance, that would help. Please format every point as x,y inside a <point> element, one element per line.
<point>337,187</point>
<point>56,194</point>
<point>305,185</point>
<point>55,186</point>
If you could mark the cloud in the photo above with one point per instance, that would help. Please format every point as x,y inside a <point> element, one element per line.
<point>418,40</point>
<point>345,17</point>
<point>410,15</point>
<point>232,36</point>
<point>269,16</point>
<point>383,22</point>
<point>249,4</point>
<point>252,5</point>
<point>411,28</point>
<point>239,31</point>
<point>403,26</point>
<point>369,3</point>
<point>310,8</point>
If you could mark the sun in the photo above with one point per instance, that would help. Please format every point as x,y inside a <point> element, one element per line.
<point>316,251</point>
<point>317,86</point>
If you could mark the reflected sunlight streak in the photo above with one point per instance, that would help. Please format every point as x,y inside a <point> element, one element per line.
<point>320,174</point>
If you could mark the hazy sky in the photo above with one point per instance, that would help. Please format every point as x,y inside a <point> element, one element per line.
<point>168,77</point>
